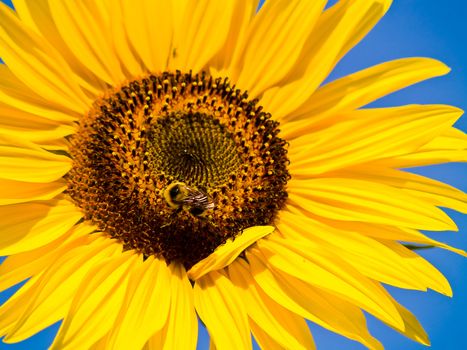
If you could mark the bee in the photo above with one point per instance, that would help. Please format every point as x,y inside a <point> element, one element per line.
<point>179,195</point>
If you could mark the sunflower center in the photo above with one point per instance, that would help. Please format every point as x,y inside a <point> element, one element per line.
<point>173,165</point>
<point>195,148</point>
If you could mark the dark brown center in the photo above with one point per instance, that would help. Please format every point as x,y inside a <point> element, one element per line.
<point>173,165</point>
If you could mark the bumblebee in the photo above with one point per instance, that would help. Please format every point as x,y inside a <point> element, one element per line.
<point>179,195</point>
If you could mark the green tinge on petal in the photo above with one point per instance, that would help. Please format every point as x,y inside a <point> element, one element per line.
<point>228,252</point>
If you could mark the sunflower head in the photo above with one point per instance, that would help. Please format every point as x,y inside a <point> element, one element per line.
<point>168,161</point>
<point>174,165</point>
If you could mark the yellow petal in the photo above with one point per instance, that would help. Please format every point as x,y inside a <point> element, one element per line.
<point>23,161</point>
<point>359,89</point>
<point>18,267</point>
<point>129,59</point>
<point>182,317</point>
<point>49,299</point>
<point>13,192</point>
<point>413,329</point>
<point>201,34</point>
<point>370,257</point>
<point>149,30</point>
<point>450,146</point>
<point>179,7</point>
<point>329,21</point>
<point>380,232</point>
<point>31,225</point>
<point>97,303</point>
<point>394,131</point>
<point>425,273</point>
<point>320,307</point>
<point>365,201</point>
<point>323,52</point>
<point>372,17</point>
<point>55,145</point>
<point>14,307</point>
<point>309,263</point>
<point>36,15</point>
<point>45,71</point>
<point>334,313</point>
<point>415,236</point>
<point>19,124</point>
<point>222,311</point>
<point>14,94</point>
<point>87,34</point>
<point>224,62</point>
<point>285,328</point>
<point>273,46</point>
<point>147,303</point>
<point>431,191</point>
<point>265,278</point>
<point>265,340</point>
<point>429,157</point>
<point>101,343</point>
<point>450,139</point>
<point>229,251</point>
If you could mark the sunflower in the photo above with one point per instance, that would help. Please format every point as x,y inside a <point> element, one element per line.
<point>169,161</point>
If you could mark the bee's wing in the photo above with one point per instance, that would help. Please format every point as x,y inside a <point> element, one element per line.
<point>197,198</point>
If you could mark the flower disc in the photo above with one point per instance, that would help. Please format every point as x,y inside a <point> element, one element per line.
<point>173,165</point>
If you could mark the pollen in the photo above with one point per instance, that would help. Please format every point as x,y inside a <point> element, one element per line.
<point>173,165</point>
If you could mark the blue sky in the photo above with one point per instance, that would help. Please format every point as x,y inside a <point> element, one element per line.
<point>411,28</point>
